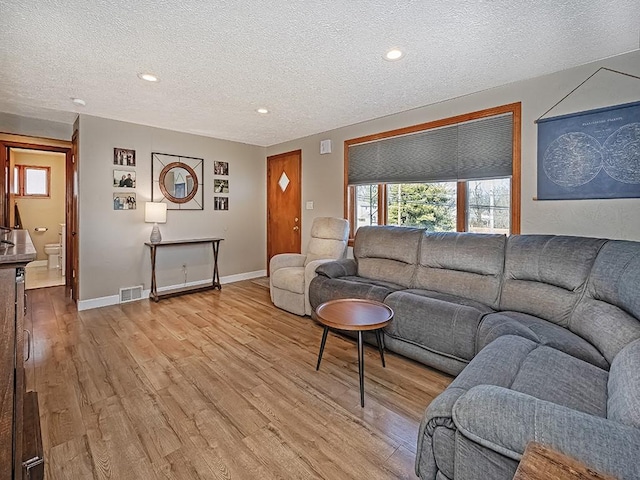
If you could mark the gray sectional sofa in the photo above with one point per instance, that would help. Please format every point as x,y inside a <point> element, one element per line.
<point>542,331</point>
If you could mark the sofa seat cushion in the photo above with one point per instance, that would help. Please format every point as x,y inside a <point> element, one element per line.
<point>446,297</point>
<point>442,323</point>
<point>289,278</point>
<point>322,289</point>
<point>539,331</point>
<point>551,375</point>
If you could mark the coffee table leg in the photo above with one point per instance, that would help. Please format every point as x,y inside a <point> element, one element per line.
<point>324,340</point>
<point>361,367</point>
<point>380,346</point>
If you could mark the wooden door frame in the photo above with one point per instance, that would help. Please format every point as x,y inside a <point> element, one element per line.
<point>299,180</point>
<point>73,220</point>
<point>5,146</point>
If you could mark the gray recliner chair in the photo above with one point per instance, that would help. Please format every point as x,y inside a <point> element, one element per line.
<point>291,273</point>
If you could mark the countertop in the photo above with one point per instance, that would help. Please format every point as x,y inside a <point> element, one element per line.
<point>22,253</point>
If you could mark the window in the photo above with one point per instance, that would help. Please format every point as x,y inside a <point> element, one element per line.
<point>456,174</point>
<point>366,205</point>
<point>488,205</point>
<point>31,181</point>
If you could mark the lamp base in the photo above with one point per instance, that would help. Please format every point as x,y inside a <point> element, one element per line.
<point>155,234</point>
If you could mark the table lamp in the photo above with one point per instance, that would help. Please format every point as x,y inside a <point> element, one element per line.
<point>155,213</point>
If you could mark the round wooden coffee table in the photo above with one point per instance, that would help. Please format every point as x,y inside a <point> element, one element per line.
<point>354,315</point>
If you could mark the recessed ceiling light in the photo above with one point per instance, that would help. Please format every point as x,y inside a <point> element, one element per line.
<point>148,77</point>
<point>78,101</point>
<point>394,54</point>
<point>262,111</point>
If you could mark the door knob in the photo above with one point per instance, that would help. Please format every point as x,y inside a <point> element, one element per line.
<point>296,219</point>
<point>296,228</point>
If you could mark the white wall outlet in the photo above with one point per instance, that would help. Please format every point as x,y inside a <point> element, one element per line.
<point>309,205</point>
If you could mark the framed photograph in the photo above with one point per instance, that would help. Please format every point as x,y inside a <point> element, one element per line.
<point>124,201</point>
<point>221,203</point>
<point>221,168</point>
<point>124,157</point>
<point>221,186</point>
<point>124,179</point>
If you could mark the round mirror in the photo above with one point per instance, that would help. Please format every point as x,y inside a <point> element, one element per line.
<point>178,182</point>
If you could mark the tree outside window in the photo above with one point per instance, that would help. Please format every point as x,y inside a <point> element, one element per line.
<point>426,205</point>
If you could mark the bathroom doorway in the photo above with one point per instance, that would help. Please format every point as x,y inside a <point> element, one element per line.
<point>38,189</point>
<point>37,195</point>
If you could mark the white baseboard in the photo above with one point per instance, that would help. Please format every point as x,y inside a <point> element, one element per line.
<point>243,276</point>
<point>115,299</point>
<point>98,302</point>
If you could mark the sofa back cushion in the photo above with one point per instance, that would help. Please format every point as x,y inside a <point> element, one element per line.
<point>466,264</point>
<point>545,275</point>
<point>387,253</point>
<point>608,315</point>
<point>623,404</point>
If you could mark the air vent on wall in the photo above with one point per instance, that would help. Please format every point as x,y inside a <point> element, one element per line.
<point>130,294</point>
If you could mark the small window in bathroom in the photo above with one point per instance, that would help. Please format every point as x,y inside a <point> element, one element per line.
<point>32,181</point>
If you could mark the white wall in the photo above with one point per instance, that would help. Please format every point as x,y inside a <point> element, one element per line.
<point>322,175</point>
<point>112,250</point>
<point>34,127</point>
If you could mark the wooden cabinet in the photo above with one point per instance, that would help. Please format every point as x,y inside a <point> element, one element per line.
<point>20,441</point>
<point>540,462</point>
<point>7,367</point>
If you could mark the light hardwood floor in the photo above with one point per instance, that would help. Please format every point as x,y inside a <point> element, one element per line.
<point>216,385</point>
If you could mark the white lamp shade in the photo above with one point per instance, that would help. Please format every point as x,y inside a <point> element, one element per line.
<point>155,212</point>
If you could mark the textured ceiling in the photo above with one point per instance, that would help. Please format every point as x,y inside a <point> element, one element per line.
<point>316,65</point>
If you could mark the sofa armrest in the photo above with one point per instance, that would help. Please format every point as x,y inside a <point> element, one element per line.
<point>310,274</point>
<point>506,421</point>
<point>338,268</point>
<point>284,260</point>
<point>437,415</point>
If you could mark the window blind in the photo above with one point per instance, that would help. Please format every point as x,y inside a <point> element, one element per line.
<point>471,150</point>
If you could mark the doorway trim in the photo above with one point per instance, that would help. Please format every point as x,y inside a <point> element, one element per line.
<point>5,146</point>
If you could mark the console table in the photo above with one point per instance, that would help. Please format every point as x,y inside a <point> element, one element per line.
<point>215,243</point>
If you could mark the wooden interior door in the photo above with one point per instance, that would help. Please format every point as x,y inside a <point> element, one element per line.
<point>284,209</point>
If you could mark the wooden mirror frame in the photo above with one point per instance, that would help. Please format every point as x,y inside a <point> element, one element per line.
<point>161,165</point>
<point>165,192</point>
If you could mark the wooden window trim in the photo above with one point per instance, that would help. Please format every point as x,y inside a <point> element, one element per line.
<point>461,201</point>
<point>21,193</point>
<point>461,207</point>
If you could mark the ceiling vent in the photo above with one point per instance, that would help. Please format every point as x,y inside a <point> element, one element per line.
<point>130,294</point>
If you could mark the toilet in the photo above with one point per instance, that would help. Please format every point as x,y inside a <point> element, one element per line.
<point>53,253</point>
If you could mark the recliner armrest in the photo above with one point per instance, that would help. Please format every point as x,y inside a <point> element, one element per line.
<point>284,260</point>
<point>506,421</point>
<point>338,268</point>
